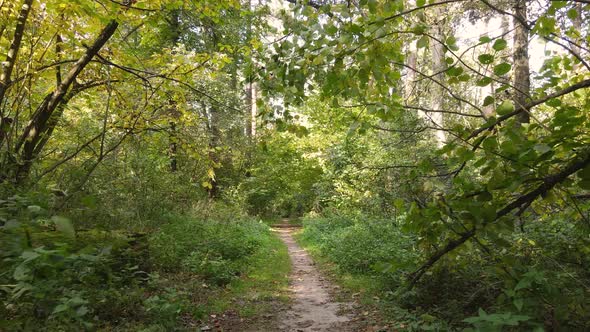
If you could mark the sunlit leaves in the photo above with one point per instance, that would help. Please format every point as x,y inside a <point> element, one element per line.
<point>484,39</point>
<point>452,43</point>
<point>572,14</point>
<point>545,26</point>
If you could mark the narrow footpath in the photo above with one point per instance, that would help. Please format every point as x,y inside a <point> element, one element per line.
<point>312,308</point>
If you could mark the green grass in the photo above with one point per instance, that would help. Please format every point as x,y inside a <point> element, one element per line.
<point>278,220</point>
<point>365,286</point>
<point>262,286</point>
<point>370,291</point>
<point>260,290</point>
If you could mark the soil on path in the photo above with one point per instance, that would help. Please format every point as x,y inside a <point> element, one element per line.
<point>312,308</point>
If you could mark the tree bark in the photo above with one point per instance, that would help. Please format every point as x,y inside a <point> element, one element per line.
<point>439,65</point>
<point>248,112</point>
<point>412,59</point>
<point>8,65</point>
<point>522,81</point>
<point>174,113</point>
<point>214,139</point>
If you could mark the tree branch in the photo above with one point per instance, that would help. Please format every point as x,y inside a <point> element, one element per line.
<point>526,108</point>
<point>547,184</point>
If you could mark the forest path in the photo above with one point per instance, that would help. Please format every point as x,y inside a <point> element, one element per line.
<point>312,307</point>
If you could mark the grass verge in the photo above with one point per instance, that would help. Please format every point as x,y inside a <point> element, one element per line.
<point>263,285</point>
<point>377,302</point>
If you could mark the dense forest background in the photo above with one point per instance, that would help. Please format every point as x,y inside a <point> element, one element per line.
<point>436,151</point>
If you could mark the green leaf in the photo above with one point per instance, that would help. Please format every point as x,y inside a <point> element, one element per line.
<point>518,303</point>
<point>554,102</point>
<point>506,107</point>
<point>485,39</point>
<point>420,3</point>
<point>545,25</point>
<point>484,81</point>
<point>542,148</point>
<point>64,225</point>
<point>489,100</point>
<point>572,14</point>
<point>422,42</point>
<point>502,69</point>
<point>500,44</point>
<point>490,143</point>
<point>454,71</point>
<point>464,77</point>
<point>34,209</point>
<point>486,59</point>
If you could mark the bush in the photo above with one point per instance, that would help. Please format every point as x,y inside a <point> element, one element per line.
<point>214,249</point>
<point>63,287</point>
<point>361,245</point>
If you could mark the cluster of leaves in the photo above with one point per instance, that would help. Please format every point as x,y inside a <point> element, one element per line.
<point>281,179</point>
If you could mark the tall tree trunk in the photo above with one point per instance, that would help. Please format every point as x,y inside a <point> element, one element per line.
<point>248,112</point>
<point>579,39</point>
<point>439,65</point>
<point>214,159</point>
<point>251,111</point>
<point>174,114</point>
<point>8,64</point>
<point>253,108</point>
<point>522,81</point>
<point>411,62</point>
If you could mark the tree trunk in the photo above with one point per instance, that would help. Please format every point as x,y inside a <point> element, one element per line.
<point>174,114</point>
<point>412,60</point>
<point>8,64</point>
<point>522,79</point>
<point>173,149</point>
<point>579,39</point>
<point>214,138</point>
<point>253,109</point>
<point>439,65</point>
<point>248,113</point>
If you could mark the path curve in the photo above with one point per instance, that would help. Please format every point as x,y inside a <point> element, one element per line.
<point>312,307</point>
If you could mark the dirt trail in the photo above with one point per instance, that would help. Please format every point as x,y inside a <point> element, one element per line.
<point>312,307</point>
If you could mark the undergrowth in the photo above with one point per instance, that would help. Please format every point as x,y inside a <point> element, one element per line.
<point>374,258</point>
<point>56,278</point>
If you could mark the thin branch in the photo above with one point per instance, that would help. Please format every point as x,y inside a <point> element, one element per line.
<point>568,90</point>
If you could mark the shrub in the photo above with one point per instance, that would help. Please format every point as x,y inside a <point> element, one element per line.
<point>362,245</point>
<point>214,249</point>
